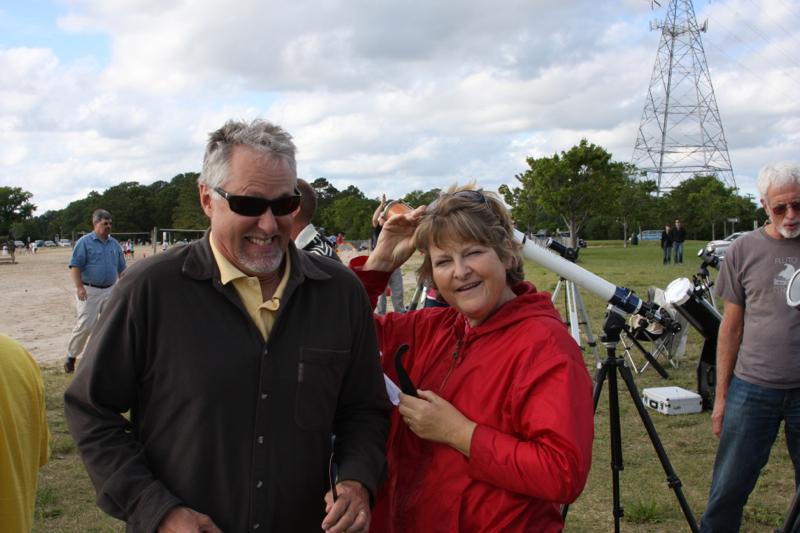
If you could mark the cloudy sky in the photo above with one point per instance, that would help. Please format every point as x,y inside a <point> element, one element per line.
<point>387,96</point>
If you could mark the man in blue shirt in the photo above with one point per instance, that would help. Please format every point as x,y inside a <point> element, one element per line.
<point>96,263</point>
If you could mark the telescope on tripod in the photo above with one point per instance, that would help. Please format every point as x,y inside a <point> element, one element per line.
<point>621,301</point>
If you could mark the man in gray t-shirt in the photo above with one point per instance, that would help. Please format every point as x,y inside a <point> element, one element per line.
<point>758,351</point>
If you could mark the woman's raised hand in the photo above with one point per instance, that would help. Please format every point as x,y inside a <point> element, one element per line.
<point>396,242</point>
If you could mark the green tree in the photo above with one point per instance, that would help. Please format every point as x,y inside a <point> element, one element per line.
<point>633,199</point>
<point>714,202</point>
<point>702,202</point>
<point>188,214</point>
<point>575,185</point>
<point>131,206</point>
<point>25,230</point>
<point>77,216</point>
<point>525,208</point>
<point>418,198</point>
<point>14,207</point>
<point>45,223</point>
<point>351,216</point>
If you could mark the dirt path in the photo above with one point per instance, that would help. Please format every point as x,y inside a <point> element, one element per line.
<point>37,300</point>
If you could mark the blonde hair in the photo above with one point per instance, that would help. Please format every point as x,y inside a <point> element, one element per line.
<point>457,219</point>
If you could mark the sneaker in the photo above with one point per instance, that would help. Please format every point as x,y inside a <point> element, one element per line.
<point>69,366</point>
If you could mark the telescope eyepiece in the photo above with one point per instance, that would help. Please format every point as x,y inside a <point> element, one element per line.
<point>570,254</point>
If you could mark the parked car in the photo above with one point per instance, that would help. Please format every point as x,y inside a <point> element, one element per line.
<point>567,234</point>
<point>48,244</point>
<point>38,243</point>
<point>65,242</point>
<point>720,247</point>
<point>19,244</point>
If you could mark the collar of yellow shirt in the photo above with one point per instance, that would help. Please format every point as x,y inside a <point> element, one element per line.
<point>249,290</point>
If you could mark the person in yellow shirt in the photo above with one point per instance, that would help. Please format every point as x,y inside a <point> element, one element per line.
<point>24,437</point>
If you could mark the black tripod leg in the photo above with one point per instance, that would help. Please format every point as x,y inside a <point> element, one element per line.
<point>599,378</point>
<point>672,479</point>
<point>792,522</point>
<point>616,443</point>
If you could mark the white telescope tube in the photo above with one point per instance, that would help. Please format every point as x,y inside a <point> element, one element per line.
<point>616,296</point>
<point>793,291</point>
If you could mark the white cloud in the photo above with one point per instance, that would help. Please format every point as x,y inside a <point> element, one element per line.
<point>387,96</point>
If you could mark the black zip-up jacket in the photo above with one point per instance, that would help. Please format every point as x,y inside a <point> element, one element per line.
<point>220,421</point>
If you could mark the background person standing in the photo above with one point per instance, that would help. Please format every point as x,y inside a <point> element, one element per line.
<point>96,263</point>
<point>304,234</point>
<point>678,236</point>
<point>396,280</point>
<point>666,245</point>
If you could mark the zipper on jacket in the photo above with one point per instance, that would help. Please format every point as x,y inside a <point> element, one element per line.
<point>452,365</point>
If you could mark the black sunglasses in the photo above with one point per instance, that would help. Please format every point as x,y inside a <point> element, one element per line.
<point>780,209</point>
<point>472,196</point>
<point>253,206</point>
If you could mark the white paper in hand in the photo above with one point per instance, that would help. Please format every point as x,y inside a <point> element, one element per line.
<point>393,390</point>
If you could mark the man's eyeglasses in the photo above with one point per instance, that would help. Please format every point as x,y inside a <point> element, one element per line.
<point>780,209</point>
<point>472,196</point>
<point>253,206</point>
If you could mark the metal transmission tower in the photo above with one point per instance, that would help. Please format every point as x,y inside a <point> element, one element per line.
<point>681,133</point>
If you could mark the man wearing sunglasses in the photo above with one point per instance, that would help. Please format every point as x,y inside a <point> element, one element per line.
<point>758,368</point>
<point>238,357</point>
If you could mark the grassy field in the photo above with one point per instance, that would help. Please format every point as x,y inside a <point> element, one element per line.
<point>66,498</point>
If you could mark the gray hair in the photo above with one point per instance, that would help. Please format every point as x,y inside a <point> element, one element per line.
<point>265,138</point>
<point>777,175</point>
<point>100,214</point>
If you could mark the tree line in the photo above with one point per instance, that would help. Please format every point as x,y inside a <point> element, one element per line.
<point>581,190</point>
<point>586,193</point>
<point>176,205</point>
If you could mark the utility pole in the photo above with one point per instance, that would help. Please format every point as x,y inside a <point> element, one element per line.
<point>681,133</point>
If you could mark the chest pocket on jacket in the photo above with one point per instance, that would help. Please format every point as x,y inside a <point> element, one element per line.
<point>319,379</point>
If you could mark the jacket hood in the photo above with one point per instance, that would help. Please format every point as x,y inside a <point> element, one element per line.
<point>529,303</point>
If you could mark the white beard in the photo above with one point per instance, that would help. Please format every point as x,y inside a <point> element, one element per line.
<point>789,234</point>
<point>261,263</point>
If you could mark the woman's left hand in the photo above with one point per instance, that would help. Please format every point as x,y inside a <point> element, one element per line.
<point>433,418</point>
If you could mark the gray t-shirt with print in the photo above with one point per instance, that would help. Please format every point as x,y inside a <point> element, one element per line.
<point>755,274</point>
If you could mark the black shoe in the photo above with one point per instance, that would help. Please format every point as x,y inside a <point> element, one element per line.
<point>69,366</point>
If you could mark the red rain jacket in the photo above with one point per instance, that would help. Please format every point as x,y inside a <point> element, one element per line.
<point>523,380</point>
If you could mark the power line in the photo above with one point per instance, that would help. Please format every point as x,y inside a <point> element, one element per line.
<point>759,33</point>
<point>789,10</point>
<point>774,21</point>
<point>757,53</point>
<point>753,73</point>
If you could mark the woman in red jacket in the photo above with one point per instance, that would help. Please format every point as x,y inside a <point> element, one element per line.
<point>501,431</point>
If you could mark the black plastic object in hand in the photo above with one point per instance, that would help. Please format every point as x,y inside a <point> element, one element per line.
<point>405,382</point>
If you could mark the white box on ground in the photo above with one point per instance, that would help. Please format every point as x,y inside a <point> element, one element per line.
<point>672,400</point>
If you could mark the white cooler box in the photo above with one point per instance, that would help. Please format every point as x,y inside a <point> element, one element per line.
<point>672,400</point>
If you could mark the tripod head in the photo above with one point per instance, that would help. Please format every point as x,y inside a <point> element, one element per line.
<point>710,259</point>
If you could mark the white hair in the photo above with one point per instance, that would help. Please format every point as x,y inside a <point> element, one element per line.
<point>777,175</point>
<point>265,138</point>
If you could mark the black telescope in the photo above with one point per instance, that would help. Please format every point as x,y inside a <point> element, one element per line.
<point>710,258</point>
<point>570,254</point>
<point>682,295</point>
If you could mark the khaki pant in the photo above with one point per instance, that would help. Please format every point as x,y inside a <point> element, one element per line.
<point>88,312</point>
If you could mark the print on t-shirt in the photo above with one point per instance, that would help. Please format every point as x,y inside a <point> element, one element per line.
<point>786,272</point>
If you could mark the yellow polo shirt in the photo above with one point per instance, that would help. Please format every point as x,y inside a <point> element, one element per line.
<point>249,290</point>
<point>24,437</point>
